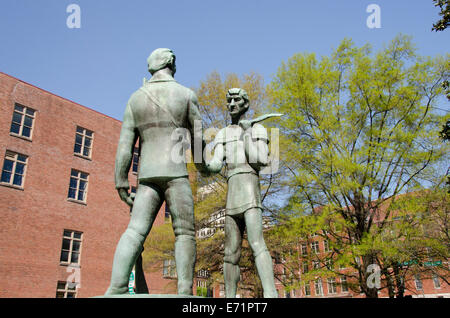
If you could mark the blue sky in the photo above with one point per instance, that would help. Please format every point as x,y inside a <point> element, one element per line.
<point>100,64</point>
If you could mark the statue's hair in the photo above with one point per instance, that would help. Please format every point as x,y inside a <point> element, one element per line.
<point>159,59</point>
<point>238,91</point>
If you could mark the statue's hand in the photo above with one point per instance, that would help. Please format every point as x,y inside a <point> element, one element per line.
<point>126,197</point>
<point>245,124</point>
<point>213,167</point>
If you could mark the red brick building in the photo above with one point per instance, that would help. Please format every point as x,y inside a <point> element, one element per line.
<point>312,253</point>
<point>61,217</point>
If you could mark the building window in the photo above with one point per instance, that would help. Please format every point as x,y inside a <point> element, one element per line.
<point>318,287</point>
<point>203,273</point>
<point>315,246</point>
<point>13,171</point>
<point>169,269</point>
<point>418,282</point>
<point>436,282</point>
<point>66,290</point>
<point>202,289</point>
<point>316,264</point>
<point>71,247</point>
<point>305,267</point>
<point>136,154</point>
<point>78,185</point>
<point>307,289</point>
<point>167,216</point>
<point>133,195</point>
<point>326,246</point>
<point>344,285</point>
<point>304,249</point>
<point>331,282</point>
<point>22,121</point>
<point>83,142</point>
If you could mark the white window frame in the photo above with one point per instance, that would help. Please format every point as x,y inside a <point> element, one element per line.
<point>69,288</point>
<point>315,247</point>
<point>344,284</point>
<point>304,249</point>
<point>436,282</point>
<point>332,285</point>
<point>418,282</point>
<point>72,237</point>
<point>326,246</point>
<point>135,160</point>
<point>83,133</point>
<point>26,112</point>
<point>318,287</point>
<point>14,158</point>
<point>169,268</point>
<point>307,287</point>
<point>77,175</point>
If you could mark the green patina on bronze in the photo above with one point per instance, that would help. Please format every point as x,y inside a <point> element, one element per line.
<point>152,115</point>
<point>242,147</point>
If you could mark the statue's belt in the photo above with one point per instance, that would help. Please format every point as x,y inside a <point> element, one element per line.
<point>157,124</point>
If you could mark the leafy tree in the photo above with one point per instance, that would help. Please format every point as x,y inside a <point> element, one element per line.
<point>362,129</point>
<point>444,6</point>
<point>445,135</point>
<point>416,240</point>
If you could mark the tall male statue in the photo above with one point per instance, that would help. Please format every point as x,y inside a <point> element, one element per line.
<point>243,147</point>
<point>153,113</point>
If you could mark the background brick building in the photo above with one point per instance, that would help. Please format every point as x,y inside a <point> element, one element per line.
<point>417,286</point>
<point>61,217</point>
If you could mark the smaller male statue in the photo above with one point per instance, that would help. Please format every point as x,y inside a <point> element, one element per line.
<point>153,114</point>
<point>243,147</point>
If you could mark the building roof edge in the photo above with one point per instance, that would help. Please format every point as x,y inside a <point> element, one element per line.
<point>66,99</point>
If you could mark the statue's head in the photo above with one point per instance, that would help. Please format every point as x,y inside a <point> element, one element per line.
<point>161,58</point>
<point>237,102</point>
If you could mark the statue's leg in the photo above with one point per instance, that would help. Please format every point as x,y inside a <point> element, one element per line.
<point>146,205</point>
<point>234,230</point>
<point>181,206</point>
<point>263,260</point>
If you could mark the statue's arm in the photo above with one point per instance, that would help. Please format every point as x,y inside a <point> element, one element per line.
<point>256,147</point>
<point>124,155</point>
<point>216,163</point>
<point>198,143</point>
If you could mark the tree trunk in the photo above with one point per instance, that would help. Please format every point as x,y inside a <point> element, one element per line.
<point>369,278</point>
<point>399,282</point>
<point>389,283</point>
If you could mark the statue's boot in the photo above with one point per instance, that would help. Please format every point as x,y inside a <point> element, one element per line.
<point>185,254</point>
<point>231,274</point>
<point>128,249</point>
<point>263,263</point>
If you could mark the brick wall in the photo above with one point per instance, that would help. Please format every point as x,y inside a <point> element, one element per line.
<point>33,218</point>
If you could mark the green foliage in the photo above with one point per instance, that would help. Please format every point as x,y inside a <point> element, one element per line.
<point>443,22</point>
<point>362,129</point>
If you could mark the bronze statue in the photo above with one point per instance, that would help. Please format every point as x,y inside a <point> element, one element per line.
<point>153,113</point>
<point>243,146</point>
